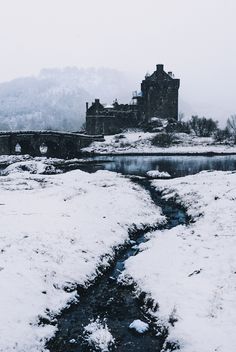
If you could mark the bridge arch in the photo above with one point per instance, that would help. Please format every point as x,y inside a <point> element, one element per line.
<point>43,148</point>
<point>18,148</point>
<point>47,147</point>
<point>22,146</point>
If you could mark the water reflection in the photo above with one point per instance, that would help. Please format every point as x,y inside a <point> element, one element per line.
<point>176,166</point>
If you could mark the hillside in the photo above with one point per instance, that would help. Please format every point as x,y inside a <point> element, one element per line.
<point>55,99</point>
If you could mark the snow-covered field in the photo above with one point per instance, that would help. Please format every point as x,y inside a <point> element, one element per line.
<point>56,231</point>
<point>191,271</point>
<point>140,143</point>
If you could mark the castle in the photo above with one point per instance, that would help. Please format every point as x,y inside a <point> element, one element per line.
<point>158,99</point>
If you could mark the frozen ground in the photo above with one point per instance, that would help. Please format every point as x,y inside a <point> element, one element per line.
<point>140,142</point>
<point>191,271</point>
<point>55,232</point>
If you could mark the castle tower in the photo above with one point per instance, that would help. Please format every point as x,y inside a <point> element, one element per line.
<point>160,95</point>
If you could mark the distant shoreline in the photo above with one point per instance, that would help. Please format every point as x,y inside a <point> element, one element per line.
<point>91,154</point>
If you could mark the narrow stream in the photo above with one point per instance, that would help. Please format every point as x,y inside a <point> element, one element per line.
<point>107,299</point>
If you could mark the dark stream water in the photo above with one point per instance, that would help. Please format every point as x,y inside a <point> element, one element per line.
<point>176,165</point>
<point>108,299</point>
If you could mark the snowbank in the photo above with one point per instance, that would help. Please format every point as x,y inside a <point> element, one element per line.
<point>10,159</point>
<point>140,143</point>
<point>191,271</point>
<point>55,232</point>
<point>31,166</point>
<point>37,165</point>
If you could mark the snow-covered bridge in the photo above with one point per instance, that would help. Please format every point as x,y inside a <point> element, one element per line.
<point>49,143</point>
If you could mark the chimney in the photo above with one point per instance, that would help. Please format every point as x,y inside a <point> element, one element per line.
<point>170,74</point>
<point>87,105</point>
<point>97,101</point>
<point>160,67</point>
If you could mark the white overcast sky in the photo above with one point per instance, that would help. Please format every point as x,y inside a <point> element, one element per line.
<point>193,38</point>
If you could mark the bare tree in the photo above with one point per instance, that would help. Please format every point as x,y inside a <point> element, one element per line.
<point>181,116</point>
<point>231,124</point>
<point>202,126</point>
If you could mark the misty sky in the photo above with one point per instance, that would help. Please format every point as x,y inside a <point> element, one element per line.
<point>193,38</point>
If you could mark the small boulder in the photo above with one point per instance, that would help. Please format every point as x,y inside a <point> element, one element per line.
<point>158,174</point>
<point>139,326</point>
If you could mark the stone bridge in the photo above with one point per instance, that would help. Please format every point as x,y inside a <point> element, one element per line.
<point>46,143</point>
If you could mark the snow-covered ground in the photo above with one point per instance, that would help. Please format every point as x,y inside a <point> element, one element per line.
<point>31,166</point>
<point>6,160</point>
<point>190,271</point>
<point>10,159</point>
<point>56,231</point>
<point>140,143</point>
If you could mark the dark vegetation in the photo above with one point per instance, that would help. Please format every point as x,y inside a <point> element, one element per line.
<point>163,140</point>
<point>228,134</point>
<point>179,127</point>
<point>200,127</point>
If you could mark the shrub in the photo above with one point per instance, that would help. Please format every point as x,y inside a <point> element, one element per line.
<point>124,144</point>
<point>222,135</point>
<point>179,127</point>
<point>163,139</point>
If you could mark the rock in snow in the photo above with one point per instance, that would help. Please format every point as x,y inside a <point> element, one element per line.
<point>98,336</point>
<point>73,341</point>
<point>158,174</point>
<point>140,326</point>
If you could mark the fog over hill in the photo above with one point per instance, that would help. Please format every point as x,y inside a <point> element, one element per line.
<point>55,99</point>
